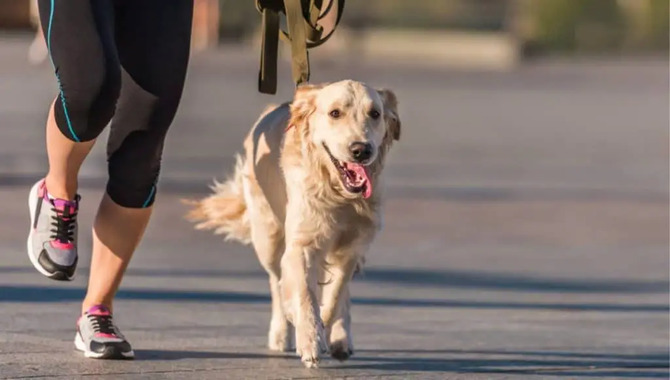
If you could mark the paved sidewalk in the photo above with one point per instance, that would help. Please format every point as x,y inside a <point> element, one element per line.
<point>526,232</point>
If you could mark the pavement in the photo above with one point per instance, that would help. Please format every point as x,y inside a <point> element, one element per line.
<point>526,231</point>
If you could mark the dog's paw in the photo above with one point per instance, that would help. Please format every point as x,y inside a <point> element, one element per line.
<point>281,338</point>
<point>341,351</point>
<point>310,362</point>
<point>341,344</point>
<point>310,344</point>
<point>309,354</point>
<point>281,343</point>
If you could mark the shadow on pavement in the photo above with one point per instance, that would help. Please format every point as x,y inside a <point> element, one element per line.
<point>430,278</point>
<point>51,294</point>
<point>154,355</point>
<point>660,356</point>
<point>652,365</point>
<point>515,282</point>
<point>570,363</point>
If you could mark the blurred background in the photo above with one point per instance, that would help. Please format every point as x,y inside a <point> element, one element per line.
<point>533,27</point>
<point>527,212</point>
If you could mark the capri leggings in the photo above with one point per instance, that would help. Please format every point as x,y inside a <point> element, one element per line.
<point>122,61</point>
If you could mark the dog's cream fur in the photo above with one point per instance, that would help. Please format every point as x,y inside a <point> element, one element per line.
<point>287,199</point>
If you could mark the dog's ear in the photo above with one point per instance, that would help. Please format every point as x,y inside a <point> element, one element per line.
<point>391,112</point>
<point>303,103</point>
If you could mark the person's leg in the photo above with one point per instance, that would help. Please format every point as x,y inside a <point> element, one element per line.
<point>65,159</point>
<point>79,38</point>
<point>153,39</point>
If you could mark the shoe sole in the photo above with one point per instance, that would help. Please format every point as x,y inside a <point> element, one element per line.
<point>58,275</point>
<point>110,353</point>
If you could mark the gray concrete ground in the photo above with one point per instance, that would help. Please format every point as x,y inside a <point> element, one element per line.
<point>526,231</point>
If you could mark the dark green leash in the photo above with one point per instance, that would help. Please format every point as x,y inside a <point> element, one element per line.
<point>304,32</point>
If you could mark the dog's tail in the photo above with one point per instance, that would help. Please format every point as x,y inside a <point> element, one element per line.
<point>224,211</point>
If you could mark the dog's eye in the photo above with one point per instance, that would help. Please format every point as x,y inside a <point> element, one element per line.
<point>334,114</point>
<point>374,114</point>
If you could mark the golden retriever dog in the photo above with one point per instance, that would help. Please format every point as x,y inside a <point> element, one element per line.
<point>307,195</point>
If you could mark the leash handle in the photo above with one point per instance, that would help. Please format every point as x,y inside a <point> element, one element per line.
<point>296,29</point>
<point>303,33</point>
<point>267,75</point>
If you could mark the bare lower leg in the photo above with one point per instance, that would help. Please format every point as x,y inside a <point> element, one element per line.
<point>65,159</point>
<point>117,231</point>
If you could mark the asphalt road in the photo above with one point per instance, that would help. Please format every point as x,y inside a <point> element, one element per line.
<point>526,230</point>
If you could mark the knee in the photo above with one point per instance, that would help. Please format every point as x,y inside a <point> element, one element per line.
<point>85,106</point>
<point>133,186</point>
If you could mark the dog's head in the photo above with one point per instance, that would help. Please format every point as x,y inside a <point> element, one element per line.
<point>350,126</point>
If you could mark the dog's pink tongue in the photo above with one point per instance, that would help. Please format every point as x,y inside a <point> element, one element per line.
<point>363,173</point>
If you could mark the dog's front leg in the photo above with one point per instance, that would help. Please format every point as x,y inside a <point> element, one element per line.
<point>298,287</point>
<point>335,310</point>
<point>339,333</point>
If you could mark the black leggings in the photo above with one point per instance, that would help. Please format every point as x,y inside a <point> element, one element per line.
<point>126,59</point>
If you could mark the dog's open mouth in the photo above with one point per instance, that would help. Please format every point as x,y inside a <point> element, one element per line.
<point>354,176</point>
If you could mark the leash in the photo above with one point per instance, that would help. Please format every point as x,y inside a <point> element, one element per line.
<point>304,32</point>
<point>288,127</point>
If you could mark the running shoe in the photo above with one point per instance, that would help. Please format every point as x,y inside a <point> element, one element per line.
<point>52,241</point>
<point>98,338</point>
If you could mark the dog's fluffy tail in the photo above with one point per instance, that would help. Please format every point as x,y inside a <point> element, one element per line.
<point>224,211</point>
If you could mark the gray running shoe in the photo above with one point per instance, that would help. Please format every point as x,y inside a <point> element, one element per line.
<point>52,242</point>
<point>98,338</point>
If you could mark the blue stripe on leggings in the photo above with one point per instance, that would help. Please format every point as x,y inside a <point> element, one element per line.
<point>151,195</point>
<point>60,86</point>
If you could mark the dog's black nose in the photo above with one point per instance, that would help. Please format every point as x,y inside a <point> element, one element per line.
<point>361,151</point>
